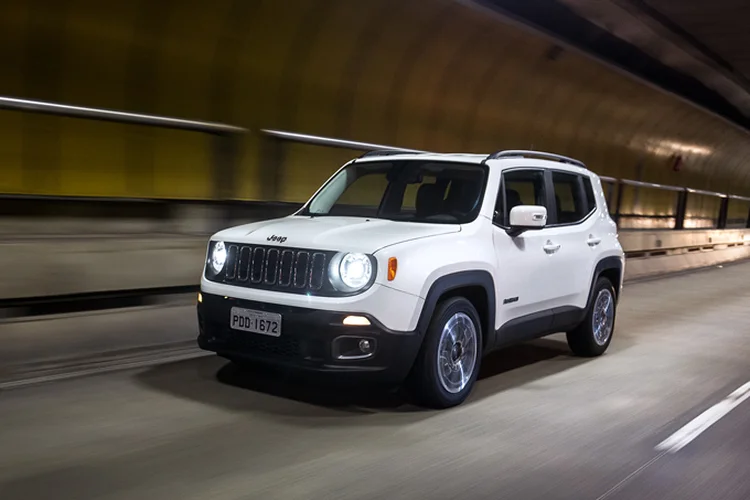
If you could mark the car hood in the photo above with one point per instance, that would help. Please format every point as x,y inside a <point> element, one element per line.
<point>346,234</point>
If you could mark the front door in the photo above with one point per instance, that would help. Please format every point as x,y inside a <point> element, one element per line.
<point>524,283</point>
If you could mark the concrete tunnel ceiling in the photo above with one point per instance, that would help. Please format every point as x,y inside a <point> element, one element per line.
<point>717,28</point>
<point>442,75</point>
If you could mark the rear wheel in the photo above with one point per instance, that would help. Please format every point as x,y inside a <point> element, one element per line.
<point>593,336</point>
<point>448,363</point>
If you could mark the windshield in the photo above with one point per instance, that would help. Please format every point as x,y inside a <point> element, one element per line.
<point>410,190</point>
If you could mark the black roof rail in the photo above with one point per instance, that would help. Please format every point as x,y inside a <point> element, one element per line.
<point>390,152</point>
<point>522,153</point>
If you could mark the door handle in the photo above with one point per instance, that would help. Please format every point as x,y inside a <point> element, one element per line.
<point>550,247</point>
<point>593,241</point>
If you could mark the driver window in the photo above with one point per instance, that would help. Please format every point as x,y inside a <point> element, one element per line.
<point>519,187</point>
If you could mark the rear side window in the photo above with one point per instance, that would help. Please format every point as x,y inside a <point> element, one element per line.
<point>571,202</point>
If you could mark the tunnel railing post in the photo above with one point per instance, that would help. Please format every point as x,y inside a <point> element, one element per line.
<point>610,192</point>
<point>721,223</point>
<point>618,202</point>
<point>681,209</point>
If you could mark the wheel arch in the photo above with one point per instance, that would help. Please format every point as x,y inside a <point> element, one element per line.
<point>477,286</point>
<point>610,268</point>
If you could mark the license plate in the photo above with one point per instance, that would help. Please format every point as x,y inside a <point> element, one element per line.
<point>248,320</point>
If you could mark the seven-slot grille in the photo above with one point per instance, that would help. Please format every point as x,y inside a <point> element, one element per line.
<point>276,268</point>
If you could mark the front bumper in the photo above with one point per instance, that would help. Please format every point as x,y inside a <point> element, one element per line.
<point>310,340</point>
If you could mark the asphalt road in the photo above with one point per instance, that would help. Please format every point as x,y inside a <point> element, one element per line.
<point>541,424</point>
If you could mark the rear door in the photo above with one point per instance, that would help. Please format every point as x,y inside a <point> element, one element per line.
<point>571,229</point>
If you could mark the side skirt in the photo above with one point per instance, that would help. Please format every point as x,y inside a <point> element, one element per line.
<point>537,325</point>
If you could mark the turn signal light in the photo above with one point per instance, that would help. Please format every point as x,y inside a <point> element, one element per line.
<point>200,297</point>
<point>392,268</point>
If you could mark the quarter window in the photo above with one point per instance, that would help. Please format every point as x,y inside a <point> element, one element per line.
<point>590,197</point>
<point>570,200</point>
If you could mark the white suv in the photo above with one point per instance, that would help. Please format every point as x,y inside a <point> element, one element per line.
<point>411,267</point>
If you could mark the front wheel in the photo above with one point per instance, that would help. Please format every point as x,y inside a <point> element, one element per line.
<point>593,336</point>
<point>449,360</point>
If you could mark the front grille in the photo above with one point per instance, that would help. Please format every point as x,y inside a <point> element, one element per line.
<point>276,268</point>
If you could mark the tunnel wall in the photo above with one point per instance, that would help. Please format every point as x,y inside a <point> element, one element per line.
<point>430,74</point>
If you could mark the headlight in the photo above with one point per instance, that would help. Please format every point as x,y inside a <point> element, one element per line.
<point>218,257</point>
<point>350,272</point>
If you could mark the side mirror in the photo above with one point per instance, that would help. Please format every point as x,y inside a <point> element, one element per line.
<point>527,217</point>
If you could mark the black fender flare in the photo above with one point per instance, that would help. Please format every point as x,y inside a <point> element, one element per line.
<point>606,264</point>
<point>453,281</point>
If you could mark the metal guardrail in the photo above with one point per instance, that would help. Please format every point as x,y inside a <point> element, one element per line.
<point>650,185</point>
<point>51,108</point>
<point>707,193</point>
<point>316,140</point>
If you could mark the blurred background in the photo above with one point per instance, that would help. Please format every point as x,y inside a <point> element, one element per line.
<point>131,130</point>
<point>599,81</point>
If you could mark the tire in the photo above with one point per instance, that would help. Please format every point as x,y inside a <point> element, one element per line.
<point>587,340</point>
<point>427,384</point>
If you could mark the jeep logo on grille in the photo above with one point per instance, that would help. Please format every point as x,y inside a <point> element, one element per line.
<point>279,239</point>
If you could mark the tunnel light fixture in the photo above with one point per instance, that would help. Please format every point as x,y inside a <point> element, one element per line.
<point>669,148</point>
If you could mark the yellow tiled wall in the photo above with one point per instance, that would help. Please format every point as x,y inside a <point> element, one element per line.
<point>427,74</point>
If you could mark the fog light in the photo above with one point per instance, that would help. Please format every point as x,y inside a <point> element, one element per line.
<point>200,298</point>
<point>356,321</point>
<point>365,346</point>
<point>353,348</point>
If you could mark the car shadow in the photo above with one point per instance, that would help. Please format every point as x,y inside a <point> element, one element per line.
<point>523,364</point>
<point>263,390</point>
<point>278,393</point>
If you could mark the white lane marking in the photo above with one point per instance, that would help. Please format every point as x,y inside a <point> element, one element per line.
<point>695,427</point>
